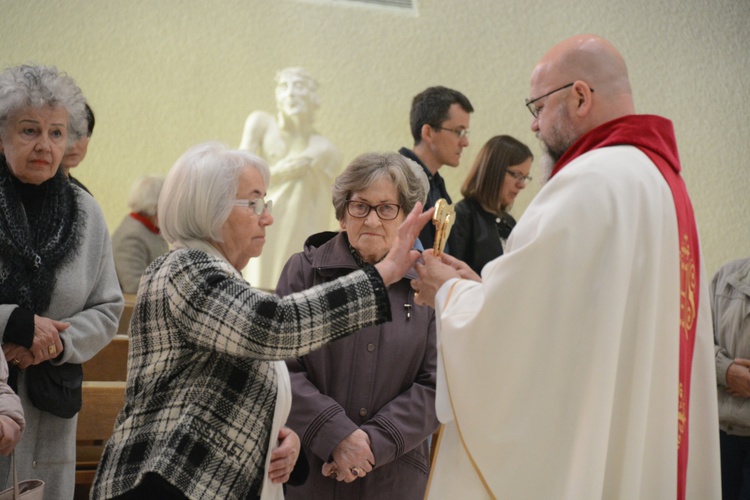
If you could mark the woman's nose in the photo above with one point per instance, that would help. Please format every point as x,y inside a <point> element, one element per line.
<point>372,218</point>
<point>266,219</point>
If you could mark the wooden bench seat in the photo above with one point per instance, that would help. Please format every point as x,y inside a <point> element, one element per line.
<point>110,364</point>
<point>102,401</point>
<point>127,313</point>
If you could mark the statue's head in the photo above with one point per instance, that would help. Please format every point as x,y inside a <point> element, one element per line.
<point>296,92</point>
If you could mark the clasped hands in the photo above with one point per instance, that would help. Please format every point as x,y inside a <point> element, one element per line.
<point>738,378</point>
<point>45,346</point>
<point>352,458</point>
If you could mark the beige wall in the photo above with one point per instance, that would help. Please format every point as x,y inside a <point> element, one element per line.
<point>163,75</point>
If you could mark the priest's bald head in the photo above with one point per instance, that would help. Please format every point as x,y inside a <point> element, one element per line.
<point>579,84</point>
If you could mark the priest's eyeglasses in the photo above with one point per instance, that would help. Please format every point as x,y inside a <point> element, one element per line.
<point>259,205</point>
<point>460,132</point>
<point>518,176</point>
<point>534,109</point>
<point>360,210</point>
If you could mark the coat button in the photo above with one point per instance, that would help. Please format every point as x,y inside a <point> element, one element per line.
<point>33,464</point>
<point>363,412</point>
<point>370,347</point>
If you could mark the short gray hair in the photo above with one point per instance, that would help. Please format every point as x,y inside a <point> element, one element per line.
<point>144,194</point>
<point>32,86</point>
<point>410,181</point>
<point>199,191</point>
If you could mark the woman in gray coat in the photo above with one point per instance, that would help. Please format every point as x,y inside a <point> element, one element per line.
<point>364,406</point>
<point>137,241</point>
<point>59,298</point>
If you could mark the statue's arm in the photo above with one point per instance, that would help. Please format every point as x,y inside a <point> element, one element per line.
<point>326,158</point>
<point>255,129</point>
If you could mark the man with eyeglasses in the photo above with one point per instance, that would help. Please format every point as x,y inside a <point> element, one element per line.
<point>439,121</point>
<point>581,364</point>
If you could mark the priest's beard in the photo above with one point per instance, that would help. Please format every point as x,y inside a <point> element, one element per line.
<point>556,142</point>
<point>546,165</point>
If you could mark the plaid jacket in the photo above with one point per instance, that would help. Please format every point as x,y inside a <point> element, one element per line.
<point>201,391</point>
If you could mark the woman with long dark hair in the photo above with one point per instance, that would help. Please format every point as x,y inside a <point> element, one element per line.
<point>483,224</point>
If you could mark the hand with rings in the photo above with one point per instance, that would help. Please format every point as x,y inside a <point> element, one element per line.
<point>18,356</point>
<point>353,457</point>
<point>46,341</point>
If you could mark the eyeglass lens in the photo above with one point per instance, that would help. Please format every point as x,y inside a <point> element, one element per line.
<point>386,211</point>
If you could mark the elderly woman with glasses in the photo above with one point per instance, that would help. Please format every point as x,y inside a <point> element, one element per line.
<point>207,390</point>
<point>59,298</point>
<point>364,406</point>
<point>483,224</point>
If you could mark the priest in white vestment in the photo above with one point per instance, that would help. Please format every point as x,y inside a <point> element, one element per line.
<point>581,365</point>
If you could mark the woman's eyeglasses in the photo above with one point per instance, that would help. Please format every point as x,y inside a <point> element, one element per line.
<point>258,205</point>
<point>360,210</point>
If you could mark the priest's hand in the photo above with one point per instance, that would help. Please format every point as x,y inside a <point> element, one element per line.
<point>738,378</point>
<point>433,272</point>
<point>353,457</point>
<point>462,267</point>
<point>285,456</point>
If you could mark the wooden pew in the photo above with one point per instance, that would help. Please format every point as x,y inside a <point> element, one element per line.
<point>103,396</point>
<point>127,313</point>
<point>102,401</point>
<point>109,364</point>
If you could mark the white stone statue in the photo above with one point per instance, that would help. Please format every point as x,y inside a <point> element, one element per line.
<point>303,165</point>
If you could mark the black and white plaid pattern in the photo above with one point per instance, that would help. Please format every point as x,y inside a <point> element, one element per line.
<point>201,389</point>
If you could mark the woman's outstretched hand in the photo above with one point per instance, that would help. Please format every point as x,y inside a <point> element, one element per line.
<point>402,254</point>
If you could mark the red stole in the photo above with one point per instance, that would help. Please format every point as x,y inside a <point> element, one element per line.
<point>143,220</point>
<point>655,138</point>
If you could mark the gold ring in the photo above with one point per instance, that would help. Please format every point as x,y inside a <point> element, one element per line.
<point>15,362</point>
<point>356,471</point>
<point>52,349</point>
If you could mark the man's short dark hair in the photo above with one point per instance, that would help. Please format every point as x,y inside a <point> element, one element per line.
<point>431,106</point>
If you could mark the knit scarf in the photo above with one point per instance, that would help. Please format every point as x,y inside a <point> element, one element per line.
<point>40,228</point>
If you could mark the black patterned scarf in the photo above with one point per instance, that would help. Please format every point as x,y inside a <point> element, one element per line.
<point>40,228</point>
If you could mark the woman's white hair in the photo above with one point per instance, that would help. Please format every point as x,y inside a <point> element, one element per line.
<point>35,86</point>
<point>200,189</point>
<point>144,194</point>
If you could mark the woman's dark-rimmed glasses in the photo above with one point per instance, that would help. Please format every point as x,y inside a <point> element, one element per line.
<point>360,210</point>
